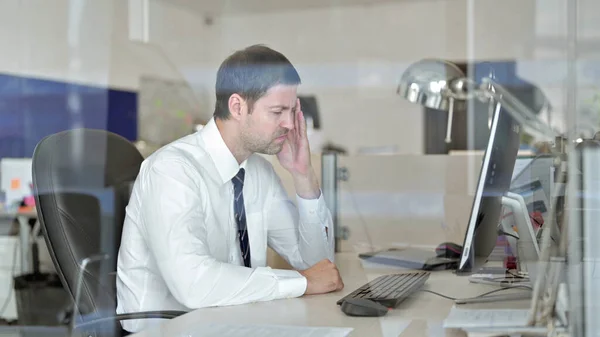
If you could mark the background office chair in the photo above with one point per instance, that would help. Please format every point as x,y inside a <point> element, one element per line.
<point>82,180</point>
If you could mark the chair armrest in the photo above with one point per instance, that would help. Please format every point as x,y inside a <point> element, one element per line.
<point>167,314</point>
<point>83,323</point>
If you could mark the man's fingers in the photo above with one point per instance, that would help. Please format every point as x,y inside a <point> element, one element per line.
<point>296,124</point>
<point>302,123</point>
<point>339,284</point>
<point>301,120</point>
<point>290,137</point>
<point>298,113</point>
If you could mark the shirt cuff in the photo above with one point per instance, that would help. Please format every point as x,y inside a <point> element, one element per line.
<point>311,210</point>
<point>290,282</point>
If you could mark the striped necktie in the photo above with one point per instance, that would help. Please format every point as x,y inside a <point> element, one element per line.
<point>240,215</point>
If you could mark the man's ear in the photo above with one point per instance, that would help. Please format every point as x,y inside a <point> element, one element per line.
<point>237,106</point>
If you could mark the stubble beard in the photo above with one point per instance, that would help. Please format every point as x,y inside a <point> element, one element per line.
<point>254,144</point>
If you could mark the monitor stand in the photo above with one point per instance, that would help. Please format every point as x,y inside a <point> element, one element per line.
<point>526,246</point>
<point>523,242</point>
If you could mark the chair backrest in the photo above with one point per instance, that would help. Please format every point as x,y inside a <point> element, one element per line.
<point>82,180</point>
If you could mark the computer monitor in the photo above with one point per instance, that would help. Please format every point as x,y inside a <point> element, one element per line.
<point>310,108</point>
<point>535,168</point>
<point>494,182</point>
<point>534,180</point>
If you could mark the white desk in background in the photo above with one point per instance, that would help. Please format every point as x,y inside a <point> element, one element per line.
<point>25,233</point>
<point>10,247</point>
<point>421,315</point>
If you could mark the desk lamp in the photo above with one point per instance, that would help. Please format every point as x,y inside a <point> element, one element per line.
<point>440,84</point>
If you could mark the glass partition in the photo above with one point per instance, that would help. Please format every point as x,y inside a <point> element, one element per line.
<point>403,92</point>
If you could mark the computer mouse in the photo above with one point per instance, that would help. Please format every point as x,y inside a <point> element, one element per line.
<point>448,249</point>
<point>363,307</point>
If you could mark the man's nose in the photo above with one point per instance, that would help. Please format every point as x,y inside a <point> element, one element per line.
<point>288,121</point>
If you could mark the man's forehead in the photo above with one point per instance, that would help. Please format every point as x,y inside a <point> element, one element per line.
<point>281,95</point>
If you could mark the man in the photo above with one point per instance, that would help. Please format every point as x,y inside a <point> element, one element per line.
<point>204,208</point>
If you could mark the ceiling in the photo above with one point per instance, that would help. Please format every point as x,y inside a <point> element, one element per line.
<point>216,7</point>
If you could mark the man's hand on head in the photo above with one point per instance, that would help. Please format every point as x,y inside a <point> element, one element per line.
<point>295,158</point>
<point>322,278</point>
<point>295,154</point>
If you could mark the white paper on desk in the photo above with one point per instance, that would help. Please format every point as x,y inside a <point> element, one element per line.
<point>512,332</point>
<point>486,319</point>
<point>245,330</point>
<point>490,334</point>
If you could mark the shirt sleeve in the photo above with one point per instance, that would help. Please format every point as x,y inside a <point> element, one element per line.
<point>301,234</point>
<point>176,235</point>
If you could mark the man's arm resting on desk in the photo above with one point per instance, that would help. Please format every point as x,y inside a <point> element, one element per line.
<point>300,234</point>
<point>322,278</point>
<point>314,217</point>
<point>176,233</point>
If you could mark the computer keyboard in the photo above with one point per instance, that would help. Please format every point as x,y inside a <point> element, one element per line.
<point>390,290</point>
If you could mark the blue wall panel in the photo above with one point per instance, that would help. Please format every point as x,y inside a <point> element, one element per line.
<point>31,109</point>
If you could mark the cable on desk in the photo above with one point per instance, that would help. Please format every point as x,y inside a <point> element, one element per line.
<point>361,218</point>
<point>501,232</point>
<point>516,275</point>
<point>504,281</point>
<point>440,295</point>
<point>478,296</point>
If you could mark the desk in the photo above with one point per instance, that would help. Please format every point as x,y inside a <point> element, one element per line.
<point>24,236</point>
<point>9,265</point>
<point>421,315</point>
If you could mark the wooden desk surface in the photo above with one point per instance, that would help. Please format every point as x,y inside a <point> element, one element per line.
<point>420,315</point>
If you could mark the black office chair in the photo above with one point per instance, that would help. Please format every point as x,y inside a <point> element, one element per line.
<point>82,180</point>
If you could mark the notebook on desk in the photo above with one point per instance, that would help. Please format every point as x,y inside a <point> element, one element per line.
<point>410,258</point>
<point>486,318</point>
<point>508,321</point>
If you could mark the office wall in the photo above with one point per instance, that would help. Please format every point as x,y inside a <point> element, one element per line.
<point>67,64</point>
<point>551,69</point>
<point>77,41</point>
<point>32,108</point>
<point>352,56</point>
<point>349,56</point>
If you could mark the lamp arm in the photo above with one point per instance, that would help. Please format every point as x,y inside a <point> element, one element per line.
<point>519,111</point>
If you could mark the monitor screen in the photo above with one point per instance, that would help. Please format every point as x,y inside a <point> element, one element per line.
<point>310,107</point>
<point>494,181</point>
<point>533,179</point>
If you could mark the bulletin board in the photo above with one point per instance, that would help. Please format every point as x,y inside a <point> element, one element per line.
<point>168,110</point>
<point>33,108</point>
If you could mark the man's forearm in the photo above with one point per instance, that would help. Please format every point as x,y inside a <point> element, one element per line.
<point>307,186</point>
<point>314,219</point>
<point>313,245</point>
<point>229,284</point>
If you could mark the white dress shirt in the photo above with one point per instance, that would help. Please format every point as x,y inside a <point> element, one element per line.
<point>180,249</point>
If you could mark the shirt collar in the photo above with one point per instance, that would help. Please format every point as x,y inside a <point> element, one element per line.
<point>224,161</point>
